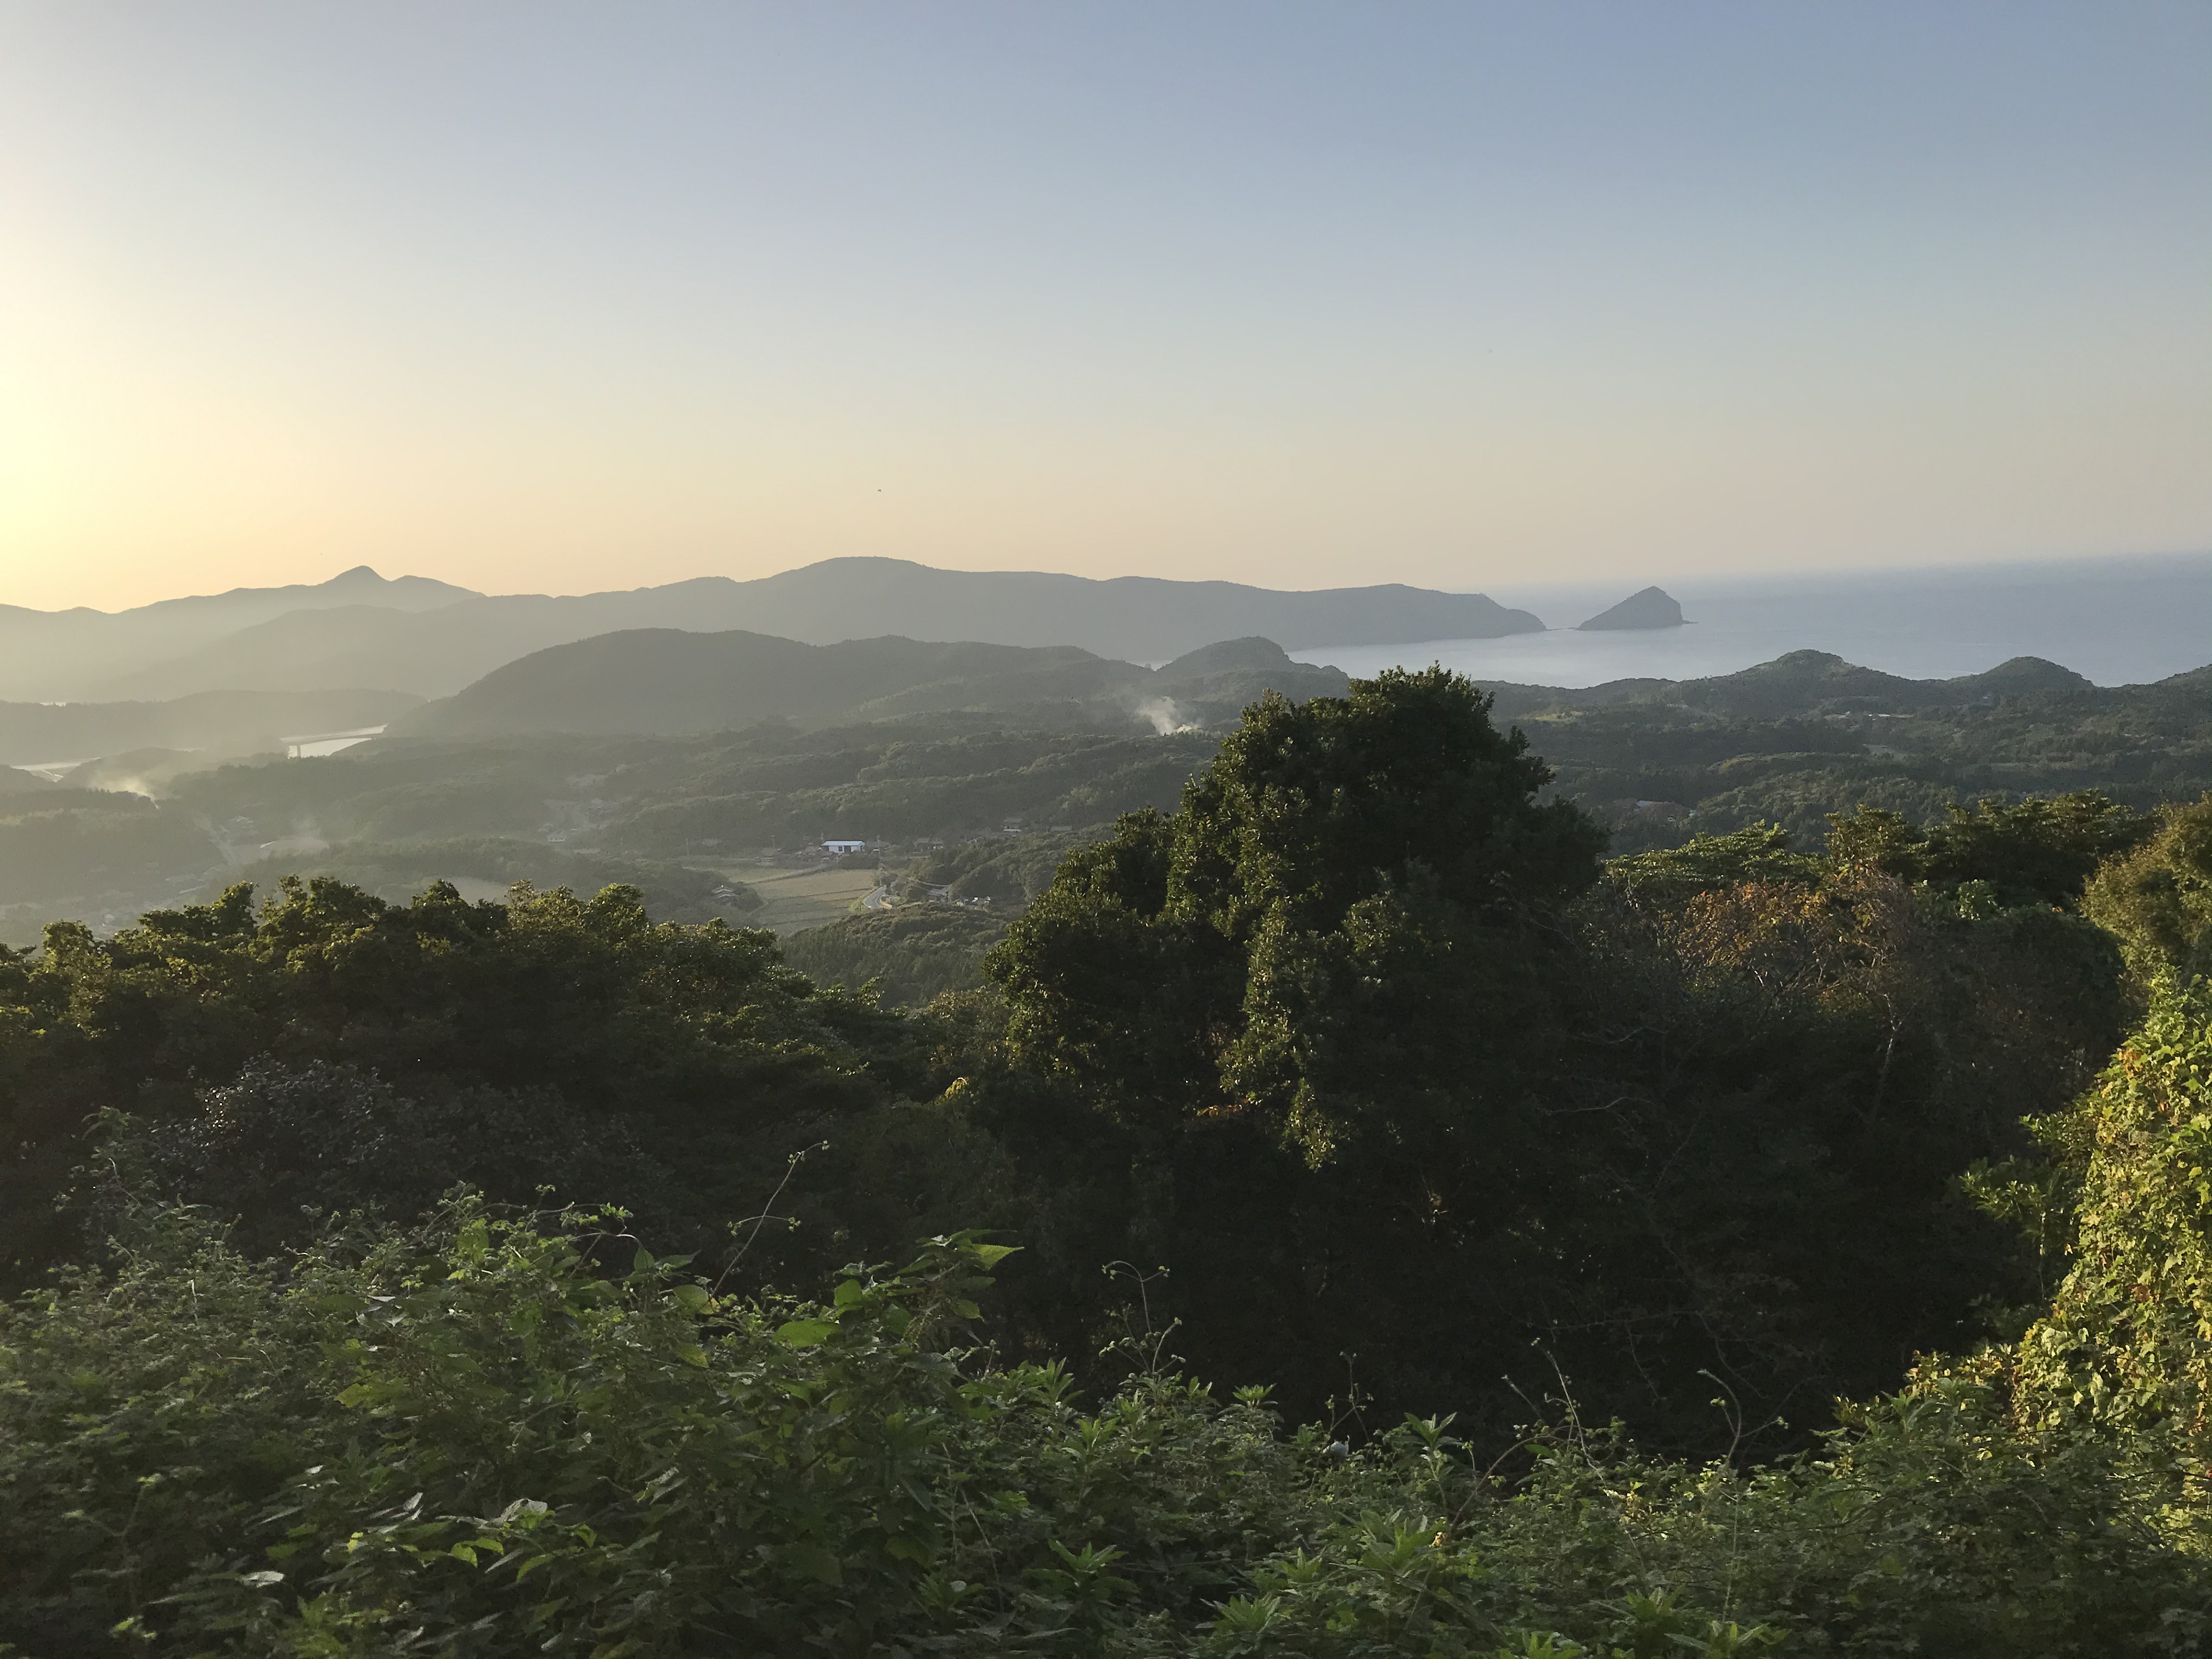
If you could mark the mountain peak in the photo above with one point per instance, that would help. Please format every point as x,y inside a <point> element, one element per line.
<point>1252,653</point>
<point>1652,607</point>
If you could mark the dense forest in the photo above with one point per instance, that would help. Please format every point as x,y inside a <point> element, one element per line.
<point>1656,762</point>
<point>1793,740</point>
<point>1347,1212</point>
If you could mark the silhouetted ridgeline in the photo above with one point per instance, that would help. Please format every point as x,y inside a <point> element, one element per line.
<point>84,653</point>
<point>431,639</point>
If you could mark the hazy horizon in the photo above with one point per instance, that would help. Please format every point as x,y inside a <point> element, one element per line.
<point>1559,603</point>
<point>2115,621</point>
<point>562,300</point>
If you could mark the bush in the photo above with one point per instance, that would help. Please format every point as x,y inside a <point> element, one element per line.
<point>694,1042</point>
<point>277,1150</point>
<point>2157,901</point>
<point>2127,1344</point>
<point>489,1435</point>
<point>911,953</point>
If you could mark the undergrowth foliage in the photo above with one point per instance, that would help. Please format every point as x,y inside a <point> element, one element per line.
<point>2127,1343</point>
<point>491,1435</point>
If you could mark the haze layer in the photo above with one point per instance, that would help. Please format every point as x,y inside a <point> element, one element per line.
<point>568,299</point>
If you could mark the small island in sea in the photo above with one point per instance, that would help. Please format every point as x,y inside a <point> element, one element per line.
<point>1652,608</point>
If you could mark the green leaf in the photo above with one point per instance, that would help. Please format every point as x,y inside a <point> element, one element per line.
<point>805,1333</point>
<point>816,1562</point>
<point>692,1298</point>
<point>991,1254</point>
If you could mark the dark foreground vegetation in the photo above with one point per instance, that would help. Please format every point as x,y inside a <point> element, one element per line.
<point>1352,1218</point>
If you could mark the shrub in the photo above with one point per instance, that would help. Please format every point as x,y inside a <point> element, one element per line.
<point>491,1436</point>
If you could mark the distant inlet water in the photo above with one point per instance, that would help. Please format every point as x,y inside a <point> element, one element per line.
<point>2117,622</point>
<point>328,742</point>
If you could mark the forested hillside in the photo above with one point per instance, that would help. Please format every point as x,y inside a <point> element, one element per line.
<point>1352,1216</point>
<point>665,680</point>
<point>1656,762</point>
<point>641,808</point>
<point>1793,740</point>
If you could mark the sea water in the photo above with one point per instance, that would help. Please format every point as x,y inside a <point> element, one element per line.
<point>2116,622</point>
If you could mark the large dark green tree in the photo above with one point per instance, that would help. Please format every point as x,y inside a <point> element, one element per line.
<point>1335,927</point>
<point>1331,1001</point>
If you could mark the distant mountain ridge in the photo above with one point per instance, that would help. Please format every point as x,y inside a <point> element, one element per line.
<point>1808,683</point>
<point>668,681</point>
<point>410,635</point>
<point>237,606</point>
<point>1137,618</point>
<point>46,655</point>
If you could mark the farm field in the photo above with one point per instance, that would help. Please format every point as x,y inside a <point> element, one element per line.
<point>794,900</point>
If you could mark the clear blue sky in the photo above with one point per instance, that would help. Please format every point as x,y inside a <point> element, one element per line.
<point>564,296</point>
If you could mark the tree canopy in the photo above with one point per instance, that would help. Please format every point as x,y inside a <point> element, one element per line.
<point>689,1039</point>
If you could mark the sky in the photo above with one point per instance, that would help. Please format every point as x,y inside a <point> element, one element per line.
<point>559,297</point>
